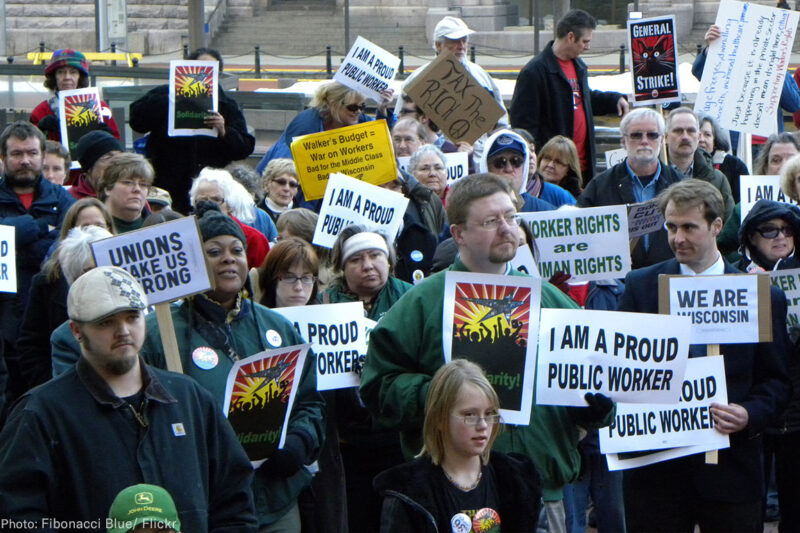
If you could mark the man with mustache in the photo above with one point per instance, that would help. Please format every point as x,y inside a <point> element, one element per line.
<point>683,137</point>
<point>639,178</point>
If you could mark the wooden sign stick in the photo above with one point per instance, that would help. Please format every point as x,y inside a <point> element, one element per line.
<point>168,340</point>
<point>712,456</point>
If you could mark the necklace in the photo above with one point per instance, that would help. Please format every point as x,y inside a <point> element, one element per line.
<point>459,486</point>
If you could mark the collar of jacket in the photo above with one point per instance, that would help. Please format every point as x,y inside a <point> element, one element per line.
<point>102,393</point>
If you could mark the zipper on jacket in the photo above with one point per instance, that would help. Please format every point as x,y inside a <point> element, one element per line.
<point>139,414</point>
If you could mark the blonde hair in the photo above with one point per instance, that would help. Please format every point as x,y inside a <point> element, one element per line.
<point>442,396</point>
<point>790,170</point>
<point>331,97</point>
<point>276,168</point>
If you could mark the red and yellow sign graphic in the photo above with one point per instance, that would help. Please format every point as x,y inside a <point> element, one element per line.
<point>82,110</point>
<point>193,82</point>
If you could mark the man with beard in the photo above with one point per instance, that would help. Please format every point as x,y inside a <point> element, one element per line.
<point>405,348</point>
<point>72,444</point>
<point>35,208</point>
<point>639,178</point>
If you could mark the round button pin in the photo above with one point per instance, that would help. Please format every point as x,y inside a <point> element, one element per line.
<point>460,523</point>
<point>486,520</point>
<point>205,358</point>
<point>273,338</point>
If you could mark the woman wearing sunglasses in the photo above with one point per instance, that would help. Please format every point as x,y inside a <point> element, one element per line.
<point>280,186</point>
<point>767,236</point>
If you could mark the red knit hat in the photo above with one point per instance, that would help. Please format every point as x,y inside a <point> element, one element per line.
<point>67,57</point>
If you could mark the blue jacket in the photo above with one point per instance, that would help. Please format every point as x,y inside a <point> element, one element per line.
<point>555,195</point>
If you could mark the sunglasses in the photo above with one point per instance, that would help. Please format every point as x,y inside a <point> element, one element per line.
<point>501,162</point>
<point>283,183</point>
<point>772,232</point>
<point>639,135</point>
<point>355,107</point>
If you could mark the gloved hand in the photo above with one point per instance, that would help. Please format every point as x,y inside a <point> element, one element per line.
<point>105,127</point>
<point>559,280</point>
<point>48,123</point>
<point>288,460</point>
<point>598,408</point>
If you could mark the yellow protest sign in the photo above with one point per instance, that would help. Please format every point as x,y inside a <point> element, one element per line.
<point>363,151</point>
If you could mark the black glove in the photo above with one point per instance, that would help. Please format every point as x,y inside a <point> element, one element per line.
<point>593,414</point>
<point>49,123</point>
<point>559,280</point>
<point>105,127</point>
<point>288,460</point>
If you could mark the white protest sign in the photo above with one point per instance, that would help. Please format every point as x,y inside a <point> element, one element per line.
<point>614,157</point>
<point>8,259</point>
<point>729,309</point>
<point>337,336</point>
<point>167,259</point>
<point>193,93</point>
<point>402,162</point>
<point>629,357</point>
<point>524,262</point>
<point>350,201</point>
<point>493,321</point>
<point>689,422</point>
<point>457,166</point>
<point>368,69</point>
<point>588,244</point>
<point>744,71</point>
<point>644,218</point>
<point>789,282</point>
<point>624,461</point>
<point>755,188</point>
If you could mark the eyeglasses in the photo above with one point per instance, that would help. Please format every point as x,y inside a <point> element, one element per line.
<point>554,161</point>
<point>355,107</point>
<point>410,111</point>
<point>216,199</point>
<point>474,420</point>
<point>500,163</point>
<point>493,223</point>
<point>134,183</point>
<point>639,135</point>
<point>284,182</point>
<point>291,279</point>
<point>772,232</point>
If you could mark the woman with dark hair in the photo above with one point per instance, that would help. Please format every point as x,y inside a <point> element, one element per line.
<point>288,276</point>
<point>714,140</point>
<point>67,70</point>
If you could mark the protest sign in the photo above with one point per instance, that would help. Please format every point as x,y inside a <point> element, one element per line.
<point>337,336</point>
<point>614,157</point>
<point>524,262</point>
<point>193,94</point>
<point>588,244</point>
<point>402,162</point>
<point>167,259</point>
<point>652,48</point>
<point>493,321</point>
<point>449,95</point>
<point>8,259</point>
<point>755,188</point>
<point>629,357</point>
<point>745,68</point>
<point>457,164</point>
<point>350,201</point>
<point>644,218</point>
<point>363,151</point>
<point>79,112</point>
<point>638,427</point>
<point>789,282</point>
<point>259,394</point>
<point>729,309</point>
<point>368,69</point>
<point>624,461</point>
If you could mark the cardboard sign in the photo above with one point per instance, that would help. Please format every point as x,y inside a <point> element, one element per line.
<point>167,259</point>
<point>789,282</point>
<point>652,48</point>
<point>524,262</point>
<point>493,321</point>
<point>79,112</point>
<point>588,244</point>
<point>689,422</point>
<point>457,166</point>
<point>755,188</point>
<point>629,357</point>
<point>644,218</point>
<point>368,69</point>
<point>363,151</point>
<point>350,201</point>
<point>192,94</point>
<point>729,309</point>
<point>338,337</point>
<point>259,395</point>
<point>8,259</point>
<point>614,157</point>
<point>449,95</point>
<point>744,71</point>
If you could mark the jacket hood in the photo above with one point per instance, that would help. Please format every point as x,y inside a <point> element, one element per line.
<point>763,211</point>
<point>483,165</point>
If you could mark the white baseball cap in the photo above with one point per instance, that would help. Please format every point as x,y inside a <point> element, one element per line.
<point>451,28</point>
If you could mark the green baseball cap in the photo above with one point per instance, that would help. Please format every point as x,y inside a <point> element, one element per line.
<point>142,504</point>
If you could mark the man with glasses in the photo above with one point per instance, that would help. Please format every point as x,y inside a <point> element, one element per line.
<point>639,178</point>
<point>405,348</point>
<point>675,495</point>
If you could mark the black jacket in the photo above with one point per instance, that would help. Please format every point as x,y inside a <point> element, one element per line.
<point>614,187</point>
<point>542,102</point>
<point>408,503</point>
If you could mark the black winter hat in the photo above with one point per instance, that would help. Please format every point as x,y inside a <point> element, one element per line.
<point>213,222</point>
<point>93,146</point>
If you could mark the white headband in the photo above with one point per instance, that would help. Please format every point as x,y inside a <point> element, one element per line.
<point>366,240</point>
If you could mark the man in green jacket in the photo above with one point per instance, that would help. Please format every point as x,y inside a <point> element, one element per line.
<point>405,348</point>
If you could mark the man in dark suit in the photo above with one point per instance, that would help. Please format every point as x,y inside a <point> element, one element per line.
<point>675,495</point>
<point>641,177</point>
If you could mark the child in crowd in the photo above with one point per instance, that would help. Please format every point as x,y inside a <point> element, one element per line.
<point>56,162</point>
<point>457,483</point>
